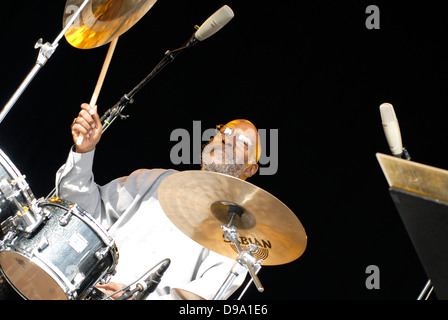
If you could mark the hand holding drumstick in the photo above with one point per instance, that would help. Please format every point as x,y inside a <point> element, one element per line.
<point>88,125</point>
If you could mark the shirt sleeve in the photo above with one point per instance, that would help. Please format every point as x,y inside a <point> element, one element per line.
<point>75,182</point>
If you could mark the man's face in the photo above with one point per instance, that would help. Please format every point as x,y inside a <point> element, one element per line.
<point>233,149</point>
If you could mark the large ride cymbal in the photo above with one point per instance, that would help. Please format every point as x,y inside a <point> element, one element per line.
<point>101,21</point>
<point>197,203</point>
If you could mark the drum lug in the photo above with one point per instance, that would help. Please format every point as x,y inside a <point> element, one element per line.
<point>106,278</point>
<point>46,213</point>
<point>43,243</point>
<point>79,278</point>
<point>101,253</point>
<point>8,239</point>
<point>65,218</point>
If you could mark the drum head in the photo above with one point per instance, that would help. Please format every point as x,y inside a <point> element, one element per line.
<point>29,279</point>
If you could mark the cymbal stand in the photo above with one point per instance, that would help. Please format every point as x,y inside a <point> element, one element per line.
<point>45,52</point>
<point>426,290</point>
<point>243,292</point>
<point>245,258</point>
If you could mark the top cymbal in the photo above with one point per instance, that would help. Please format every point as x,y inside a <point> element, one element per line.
<point>197,203</point>
<point>102,20</point>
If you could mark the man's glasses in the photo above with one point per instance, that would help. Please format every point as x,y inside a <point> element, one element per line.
<point>227,132</point>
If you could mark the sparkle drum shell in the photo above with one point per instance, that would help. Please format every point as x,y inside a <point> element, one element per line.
<point>63,259</point>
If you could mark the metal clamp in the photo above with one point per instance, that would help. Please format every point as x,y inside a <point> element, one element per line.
<point>45,52</point>
<point>245,258</point>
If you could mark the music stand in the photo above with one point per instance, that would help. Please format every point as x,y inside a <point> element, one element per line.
<point>420,194</point>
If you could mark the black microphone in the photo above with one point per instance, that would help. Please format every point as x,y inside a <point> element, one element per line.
<point>151,283</point>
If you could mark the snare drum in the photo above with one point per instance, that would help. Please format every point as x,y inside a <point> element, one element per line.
<point>63,259</point>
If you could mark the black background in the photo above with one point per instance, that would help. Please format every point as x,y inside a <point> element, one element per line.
<point>310,69</point>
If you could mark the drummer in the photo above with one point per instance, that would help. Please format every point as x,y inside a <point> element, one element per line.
<point>129,208</point>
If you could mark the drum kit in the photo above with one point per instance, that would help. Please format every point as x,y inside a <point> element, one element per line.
<point>52,249</point>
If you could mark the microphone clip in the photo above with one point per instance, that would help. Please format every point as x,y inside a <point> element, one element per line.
<point>405,155</point>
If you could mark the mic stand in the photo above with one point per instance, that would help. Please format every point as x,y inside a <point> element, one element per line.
<point>245,258</point>
<point>405,155</point>
<point>140,284</point>
<point>427,290</point>
<point>110,115</point>
<point>129,293</point>
<point>45,52</point>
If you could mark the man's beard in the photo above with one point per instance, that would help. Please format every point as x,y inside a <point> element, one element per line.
<point>229,167</point>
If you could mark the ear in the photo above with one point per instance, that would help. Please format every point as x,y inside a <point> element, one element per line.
<point>251,170</point>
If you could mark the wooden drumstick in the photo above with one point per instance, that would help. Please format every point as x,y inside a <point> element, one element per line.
<point>100,81</point>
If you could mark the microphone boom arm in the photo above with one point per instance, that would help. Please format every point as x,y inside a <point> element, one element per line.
<point>111,114</point>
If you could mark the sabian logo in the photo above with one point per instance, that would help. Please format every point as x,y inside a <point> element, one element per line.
<point>263,246</point>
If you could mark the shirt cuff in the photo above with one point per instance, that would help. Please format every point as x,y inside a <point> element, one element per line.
<point>81,160</point>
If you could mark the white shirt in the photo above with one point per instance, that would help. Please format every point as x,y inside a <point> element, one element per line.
<point>129,209</point>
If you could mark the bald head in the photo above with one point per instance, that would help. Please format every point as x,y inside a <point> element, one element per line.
<point>234,150</point>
